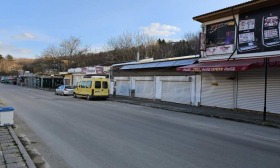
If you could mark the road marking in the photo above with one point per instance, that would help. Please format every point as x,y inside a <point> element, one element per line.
<point>260,136</point>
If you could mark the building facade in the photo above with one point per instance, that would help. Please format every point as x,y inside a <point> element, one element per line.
<point>240,61</point>
<point>239,67</point>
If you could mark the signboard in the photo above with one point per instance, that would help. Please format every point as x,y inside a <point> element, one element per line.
<point>259,31</point>
<point>220,38</point>
<point>94,70</point>
<point>216,69</point>
<point>271,31</point>
<point>219,50</point>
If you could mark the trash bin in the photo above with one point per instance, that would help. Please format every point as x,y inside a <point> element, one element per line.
<point>6,116</point>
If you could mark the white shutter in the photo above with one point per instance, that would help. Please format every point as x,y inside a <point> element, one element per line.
<point>251,86</point>
<point>144,89</point>
<point>178,92</point>
<point>273,90</point>
<point>218,89</point>
<point>122,88</point>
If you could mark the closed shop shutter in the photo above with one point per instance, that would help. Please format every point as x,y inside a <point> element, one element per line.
<point>144,89</point>
<point>273,90</point>
<point>122,88</point>
<point>250,94</point>
<point>177,92</point>
<point>218,89</point>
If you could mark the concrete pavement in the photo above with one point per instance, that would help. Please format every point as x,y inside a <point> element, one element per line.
<point>272,120</point>
<point>83,133</point>
<point>12,152</point>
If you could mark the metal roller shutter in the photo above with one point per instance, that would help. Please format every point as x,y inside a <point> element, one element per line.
<point>177,92</point>
<point>273,90</point>
<point>218,89</point>
<point>144,89</point>
<point>250,94</point>
<point>122,88</point>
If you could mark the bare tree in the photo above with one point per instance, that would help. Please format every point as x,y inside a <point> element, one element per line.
<point>72,49</point>
<point>192,40</point>
<point>65,55</point>
<point>125,46</point>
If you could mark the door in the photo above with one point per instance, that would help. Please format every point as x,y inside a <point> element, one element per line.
<point>273,90</point>
<point>175,91</point>
<point>122,87</point>
<point>144,89</point>
<point>218,89</point>
<point>97,88</point>
<point>105,88</point>
<point>250,95</point>
<point>87,87</point>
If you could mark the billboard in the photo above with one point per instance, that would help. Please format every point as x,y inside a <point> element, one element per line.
<point>220,38</point>
<point>259,31</point>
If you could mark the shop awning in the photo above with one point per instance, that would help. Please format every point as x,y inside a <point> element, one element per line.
<point>232,65</point>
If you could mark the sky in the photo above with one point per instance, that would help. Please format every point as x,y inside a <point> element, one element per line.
<point>27,27</point>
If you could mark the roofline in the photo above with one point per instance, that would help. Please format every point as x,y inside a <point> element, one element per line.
<point>236,9</point>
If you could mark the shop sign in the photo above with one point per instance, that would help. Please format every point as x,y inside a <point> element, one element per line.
<point>259,31</point>
<point>220,38</point>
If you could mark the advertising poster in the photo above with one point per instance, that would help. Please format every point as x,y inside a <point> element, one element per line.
<point>246,35</point>
<point>259,31</point>
<point>220,38</point>
<point>271,31</point>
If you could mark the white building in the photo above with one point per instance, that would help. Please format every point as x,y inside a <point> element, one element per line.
<point>236,42</point>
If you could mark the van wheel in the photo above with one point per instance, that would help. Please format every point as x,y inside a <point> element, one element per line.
<point>88,97</point>
<point>74,95</point>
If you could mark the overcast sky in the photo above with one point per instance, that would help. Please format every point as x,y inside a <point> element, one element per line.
<point>29,26</point>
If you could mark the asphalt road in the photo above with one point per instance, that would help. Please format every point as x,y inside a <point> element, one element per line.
<point>109,134</point>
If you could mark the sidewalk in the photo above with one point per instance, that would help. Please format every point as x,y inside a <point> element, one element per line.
<point>12,153</point>
<point>272,120</point>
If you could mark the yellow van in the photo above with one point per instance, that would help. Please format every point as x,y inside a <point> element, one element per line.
<point>94,87</point>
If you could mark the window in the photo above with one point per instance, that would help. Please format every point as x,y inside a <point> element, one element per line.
<point>67,81</point>
<point>83,85</point>
<point>97,84</point>
<point>88,84</point>
<point>220,34</point>
<point>68,87</point>
<point>105,85</point>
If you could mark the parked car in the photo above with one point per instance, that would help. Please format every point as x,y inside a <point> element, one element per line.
<point>94,87</point>
<point>64,90</point>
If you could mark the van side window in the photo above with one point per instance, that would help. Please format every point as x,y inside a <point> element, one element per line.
<point>97,84</point>
<point>88,85</point>
<point>83,84</point>
<point>105,85</point>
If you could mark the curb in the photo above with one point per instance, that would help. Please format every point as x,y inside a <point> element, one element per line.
<point>22,150</point>
<point>268,124</point>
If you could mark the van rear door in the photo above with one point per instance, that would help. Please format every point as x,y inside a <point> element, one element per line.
<point>105,88</point>
<point>97,88</point>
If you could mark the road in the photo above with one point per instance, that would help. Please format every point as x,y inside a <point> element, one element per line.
<point>109,134</point>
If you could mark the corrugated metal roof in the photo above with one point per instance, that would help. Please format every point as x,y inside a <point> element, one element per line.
<point>161,64</point>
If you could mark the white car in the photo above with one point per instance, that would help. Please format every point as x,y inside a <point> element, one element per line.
<point>64,90</point>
